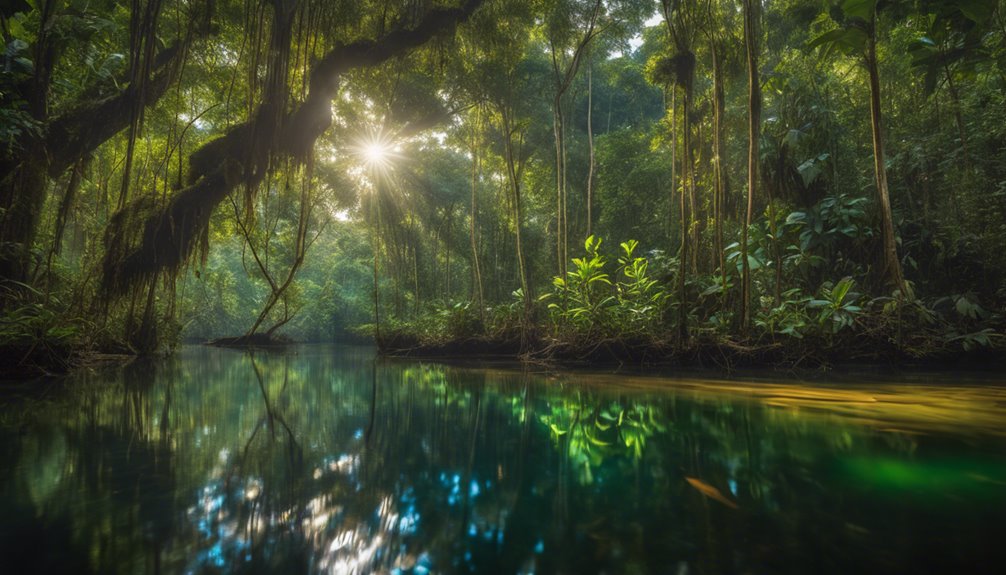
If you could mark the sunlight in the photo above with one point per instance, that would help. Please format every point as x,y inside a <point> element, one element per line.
<point>375,153</point>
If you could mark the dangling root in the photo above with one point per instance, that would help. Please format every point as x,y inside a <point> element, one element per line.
<point>143,239</point>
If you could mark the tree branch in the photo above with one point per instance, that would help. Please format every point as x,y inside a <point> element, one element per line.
<point>170,234</point>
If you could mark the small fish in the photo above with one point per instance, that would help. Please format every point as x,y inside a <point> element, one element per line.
<point>710,492</point>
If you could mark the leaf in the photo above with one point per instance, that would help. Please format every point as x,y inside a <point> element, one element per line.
<point>847,40</point>
<point>710,492</point>
<point>809,171</point>
<point>862,9</point>
<point>967,308</point>
<point>792,138</point>
<point>791,331</point>
<point>796,218</point>
<point>629,247</point>
<point>978,11</point>
<point>714,289</point>
<point>838,294</point>
<point>595,440</point>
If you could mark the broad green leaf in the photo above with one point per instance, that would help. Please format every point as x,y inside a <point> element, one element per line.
<point>795,218</point>
<point>809,171</point>
<point>838,294</point>
<point>846,40</point>
<point>862,9</point>
<point>979,11</point>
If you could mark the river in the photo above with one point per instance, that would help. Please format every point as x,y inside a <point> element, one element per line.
<point>328,460</point>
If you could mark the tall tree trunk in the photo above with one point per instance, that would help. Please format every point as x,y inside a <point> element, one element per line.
<point>476,269</point>
<point>686,215</point>
<point>376,249</point>
<point>560,184</point>
<point>695,224</point>
<point>674,158</point>
<point>590,147</point>
<point>447,253</point>
<point>563,75</point>
<point>891,266</point>
<point>719,195</point>
<point>751,8</point>
<point>514,175</point>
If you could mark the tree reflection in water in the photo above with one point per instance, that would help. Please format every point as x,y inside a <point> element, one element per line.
<point>329,461</point>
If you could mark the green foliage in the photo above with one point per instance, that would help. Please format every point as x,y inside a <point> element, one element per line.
<point>609,430</point>
<point>823,226</point>
<point>837,306</point>
<point>789,318</point>
<point>16,123</point>
<point>447,198</point>
<point>966,322</point>
<point>641,299</point>
<point>584,296</point>
<point>37,331</point>
<point>588,304</point>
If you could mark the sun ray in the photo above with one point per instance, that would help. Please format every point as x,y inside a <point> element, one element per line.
<point>375,153</point>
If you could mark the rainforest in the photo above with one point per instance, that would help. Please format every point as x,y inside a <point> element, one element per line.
<point>414,286</point>
<point>582,180</point>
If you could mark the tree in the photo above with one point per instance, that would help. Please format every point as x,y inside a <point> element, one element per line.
<point>857,34</point>
<point>751,31</point>
<point>570,28</point>
<point>242,156</point>
<point>682,21</point>
<point>56,127</point>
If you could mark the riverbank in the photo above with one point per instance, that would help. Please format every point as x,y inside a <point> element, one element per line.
<point>704,351</point>
<point>20,363</point>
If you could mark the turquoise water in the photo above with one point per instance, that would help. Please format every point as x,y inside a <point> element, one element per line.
<point>329,460</point>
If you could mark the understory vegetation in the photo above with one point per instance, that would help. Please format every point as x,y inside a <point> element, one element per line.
<point>724,181</point>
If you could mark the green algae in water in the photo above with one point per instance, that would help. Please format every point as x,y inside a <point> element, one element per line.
<point>942,479</point>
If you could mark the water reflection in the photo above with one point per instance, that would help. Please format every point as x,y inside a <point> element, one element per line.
<point>329,461</point>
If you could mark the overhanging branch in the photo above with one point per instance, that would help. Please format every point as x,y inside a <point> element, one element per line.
<point>171,233</point>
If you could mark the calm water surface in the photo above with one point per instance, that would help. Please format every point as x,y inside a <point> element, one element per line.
<point>327,460</point>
